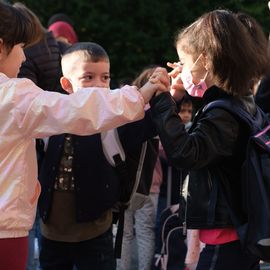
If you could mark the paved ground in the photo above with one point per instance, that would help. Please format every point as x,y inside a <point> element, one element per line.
<point>265,266</point>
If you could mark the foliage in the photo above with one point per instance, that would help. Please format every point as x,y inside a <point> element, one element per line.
<point>137,33</point>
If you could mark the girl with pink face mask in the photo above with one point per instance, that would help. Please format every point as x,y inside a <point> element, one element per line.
<point>217,60</point>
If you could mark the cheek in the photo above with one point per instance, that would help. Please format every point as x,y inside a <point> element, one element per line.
<point>196,78</point>
<point>85,84</point>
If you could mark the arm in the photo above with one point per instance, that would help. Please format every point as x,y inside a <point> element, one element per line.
<point>132,135</point>
<point>41,113</point>
<point>214,136</point>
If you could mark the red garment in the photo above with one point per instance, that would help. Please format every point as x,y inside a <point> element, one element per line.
<point>14,253</point>
<point>218,236</point>
<point>63,29</point>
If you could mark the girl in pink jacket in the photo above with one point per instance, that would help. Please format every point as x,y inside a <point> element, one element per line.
<point>27,112</point>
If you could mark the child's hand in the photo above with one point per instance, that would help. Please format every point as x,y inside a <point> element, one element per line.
<point>177,88</point>
<point>160,76</point>
<point>158,82</point>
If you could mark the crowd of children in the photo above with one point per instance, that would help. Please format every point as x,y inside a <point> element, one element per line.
<point>78,183</point>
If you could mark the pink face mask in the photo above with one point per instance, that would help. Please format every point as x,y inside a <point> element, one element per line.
<point>195,90</point>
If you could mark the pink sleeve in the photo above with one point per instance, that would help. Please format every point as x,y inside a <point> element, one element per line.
<point>90,110</point>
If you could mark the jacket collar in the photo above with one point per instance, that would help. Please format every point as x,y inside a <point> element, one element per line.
<point>215,93</point>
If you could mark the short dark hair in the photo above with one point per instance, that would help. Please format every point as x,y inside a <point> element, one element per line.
<point>16,27</point>
<point>186,100</point>
<point>92,51</point>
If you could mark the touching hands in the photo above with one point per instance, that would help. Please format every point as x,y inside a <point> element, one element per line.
<point>177,89</point>
<point>159,82</point>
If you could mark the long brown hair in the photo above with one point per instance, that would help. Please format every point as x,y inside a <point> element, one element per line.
<point>144,76</point>
<point>230,50</point>
<point>260,40</point>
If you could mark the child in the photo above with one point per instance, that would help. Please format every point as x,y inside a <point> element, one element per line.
<point>43,67</point>
<point>214,65</point>
<point>145,216</point>
<point>79,185</point>
<point>28,112</point>
<point>62,28</point>
<point>185,111</point>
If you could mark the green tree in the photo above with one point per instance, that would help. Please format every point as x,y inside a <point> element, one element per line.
<point>137,33</point>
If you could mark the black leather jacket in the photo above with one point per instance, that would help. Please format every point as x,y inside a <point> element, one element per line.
<point>213,150</point>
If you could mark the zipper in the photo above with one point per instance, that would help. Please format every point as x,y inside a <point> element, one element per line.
<point>212,200</point>
<point>185,182</point>
<point>185,221</point>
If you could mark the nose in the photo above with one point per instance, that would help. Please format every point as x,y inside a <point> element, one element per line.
<point>99,83</point>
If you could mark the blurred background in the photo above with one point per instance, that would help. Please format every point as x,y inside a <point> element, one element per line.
<point>137,33</point>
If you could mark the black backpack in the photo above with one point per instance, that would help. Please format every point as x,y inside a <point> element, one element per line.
<point>135,170</point>
<point>255,176</point>
<point>173,251</point>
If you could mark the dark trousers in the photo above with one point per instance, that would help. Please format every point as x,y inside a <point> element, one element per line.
<point>93,254</point>
<point>229,256</point>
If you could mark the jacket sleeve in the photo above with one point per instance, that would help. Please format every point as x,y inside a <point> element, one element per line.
<point>132,135</point>
<point>41,113</point>
<point>213,137</point>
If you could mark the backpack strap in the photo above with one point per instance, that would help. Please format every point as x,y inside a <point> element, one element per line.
<point>120,232</point>
<point>123,173</point>
<point>139,169</point>
<point>254,122</point>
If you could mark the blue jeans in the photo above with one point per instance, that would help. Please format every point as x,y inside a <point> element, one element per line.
<point>94,254</point>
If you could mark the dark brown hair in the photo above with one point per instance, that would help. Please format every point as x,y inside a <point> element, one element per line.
<point>16,27</point>
<point>227,45</point>
<point>144,76</point>
<point>260,40</point>
<point>91,51</point>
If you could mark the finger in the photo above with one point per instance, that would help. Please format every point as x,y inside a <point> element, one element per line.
<point>161,87</point>
<point>178,87</point>
<point>159,70</point>
<point>153,80</point>
<point>172,65</point>
<point>174,73</point>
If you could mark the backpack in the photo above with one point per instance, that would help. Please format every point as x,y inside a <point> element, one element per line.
<point>135,169</point>
<point>255,176</point>
<point>173,251</point>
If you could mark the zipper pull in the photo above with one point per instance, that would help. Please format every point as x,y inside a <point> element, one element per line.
<point>184,228</point>
<point>157,259</point>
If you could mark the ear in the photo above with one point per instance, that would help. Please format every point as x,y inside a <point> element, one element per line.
<point>66,84</point>
<point>2,47</point>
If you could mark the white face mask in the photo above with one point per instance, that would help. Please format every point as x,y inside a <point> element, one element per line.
<point>195,90</point>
